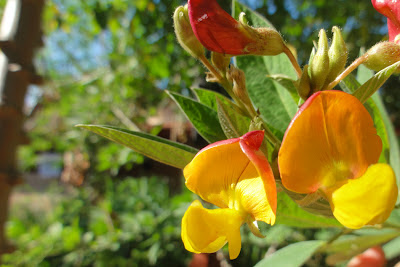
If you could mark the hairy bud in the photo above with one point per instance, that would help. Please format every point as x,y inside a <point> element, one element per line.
<point>319,66</point>
<point>184,33</point>
<point>337,55</point>
<point>382,55</point>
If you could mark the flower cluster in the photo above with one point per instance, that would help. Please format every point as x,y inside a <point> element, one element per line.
<point>330,150</point>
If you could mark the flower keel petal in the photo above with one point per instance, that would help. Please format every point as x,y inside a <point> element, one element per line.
<point>207,231</point>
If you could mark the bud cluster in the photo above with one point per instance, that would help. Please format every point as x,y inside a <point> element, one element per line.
<point>325,64</point>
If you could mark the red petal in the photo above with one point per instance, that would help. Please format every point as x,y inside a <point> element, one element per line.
<point>391,10</point>
<point>216,29</point>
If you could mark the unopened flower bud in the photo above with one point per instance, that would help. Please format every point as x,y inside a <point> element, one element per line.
<point>220,61</point>
<point>303,88</point>
<point>337,55</point>
<point>265,41</point>
<point>382,55</point>
<point>239,84</point>
<point>220,32</point>
<point>319,66</point>
<point>184,33</point>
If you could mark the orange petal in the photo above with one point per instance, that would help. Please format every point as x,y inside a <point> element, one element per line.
<point>207,231</point>
<point>331,138</point>
<point>367,200</point>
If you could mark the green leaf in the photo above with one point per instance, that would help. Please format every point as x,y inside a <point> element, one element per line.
<point>392,249</point>
<point>254,18</point>
<point>233,123</point>
<point>289,213</point>
<point>372,85</point>
<point>348,246</point>
<point>157,148</point>
<point>275,103</point>
<point>293,255</point>
<point>288,83</point>
<point>208,98</point>
<point>203,118</point>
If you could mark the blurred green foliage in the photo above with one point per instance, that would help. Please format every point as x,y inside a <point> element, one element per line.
<point>135,223</point>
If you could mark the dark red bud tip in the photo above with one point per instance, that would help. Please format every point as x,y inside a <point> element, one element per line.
<point>253,139</point>
<point>215,28</point>
<point>391,10</point>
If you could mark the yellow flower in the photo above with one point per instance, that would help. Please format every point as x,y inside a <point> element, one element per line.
<point>235,176</point>
<point>332,146</point>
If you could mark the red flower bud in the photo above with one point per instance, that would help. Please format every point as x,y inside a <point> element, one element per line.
<point>391,10</point>
<point>221,33</point>
<point>372,257</point>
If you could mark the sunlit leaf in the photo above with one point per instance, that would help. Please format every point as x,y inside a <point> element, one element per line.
<point>154,147</point>
<point>203,118</point>
<point>294,255</point>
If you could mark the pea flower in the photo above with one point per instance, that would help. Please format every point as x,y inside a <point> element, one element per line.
<point>391,10</point>
<point>221,33</point>
<point>331,146</point>
<point>235,176</point>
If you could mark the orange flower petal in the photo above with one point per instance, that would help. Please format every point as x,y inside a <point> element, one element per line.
<point>331,138</point>
<point>207,231</point>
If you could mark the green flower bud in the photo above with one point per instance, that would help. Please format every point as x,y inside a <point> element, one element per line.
<point>382,55</point>
<point>184,33</point>
<point>265,41</point>
<point>303,88</point>
<point>319,66</point>
<point>337,55</point>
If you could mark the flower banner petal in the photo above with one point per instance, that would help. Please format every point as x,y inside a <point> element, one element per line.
<point>367,200</point>
<point>331,137</point>
<point>215,170</point>
<point>207,231</point>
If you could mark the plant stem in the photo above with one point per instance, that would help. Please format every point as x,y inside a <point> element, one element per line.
<point>271,137</point>
<point>293,60</point>
<point>347,71</point>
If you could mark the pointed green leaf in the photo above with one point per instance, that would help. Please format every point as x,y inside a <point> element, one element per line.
<point>157,148</point>
<point>289,213</point>
<point>392,249</point>
<point>208,98</point>
<point>293,255</point>
<point>233,123</point>
<point>288,83</point>
<point>373,84</point>
<point>203,118</point>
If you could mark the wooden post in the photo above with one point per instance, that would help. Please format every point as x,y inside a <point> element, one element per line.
<point>20,35</point>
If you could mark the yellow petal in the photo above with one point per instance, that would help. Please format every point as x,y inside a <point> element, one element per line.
<point>331,138</point>
<point>235,174</point>
<point>207,231</point>
<point>367,200</point>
